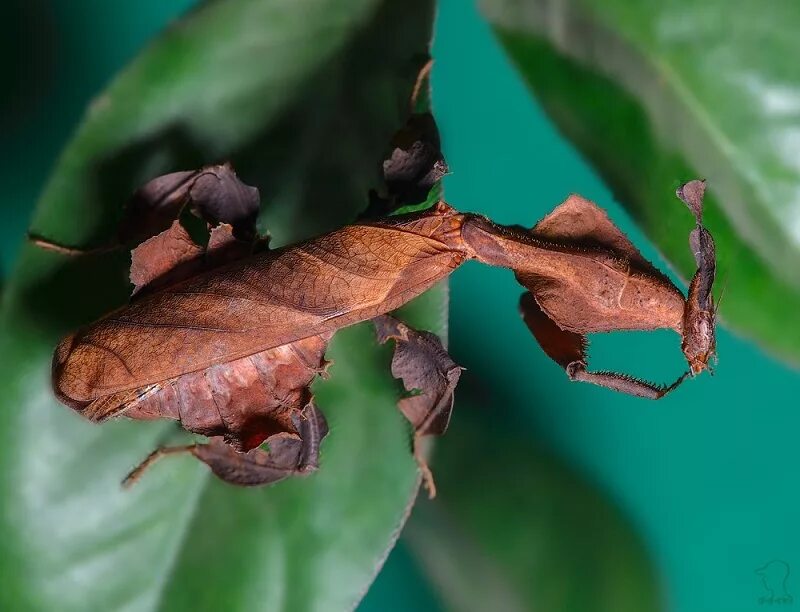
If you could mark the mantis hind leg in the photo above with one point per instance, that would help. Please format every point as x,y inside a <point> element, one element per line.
<point>62,249</point>
<point>569,349</point>
<point>288,454</point>
<point>430,375</point>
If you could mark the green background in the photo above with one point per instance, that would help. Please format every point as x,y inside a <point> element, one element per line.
<point>707,475</point>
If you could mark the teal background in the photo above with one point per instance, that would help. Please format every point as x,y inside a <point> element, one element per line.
<point>707,475</point>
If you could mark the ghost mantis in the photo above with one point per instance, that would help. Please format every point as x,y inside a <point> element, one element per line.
<point>226,339</point>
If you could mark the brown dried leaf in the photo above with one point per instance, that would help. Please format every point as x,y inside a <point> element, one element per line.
<point>271,299</point>
<point>154,206</point>
<point>256,467</point>
<point>216,194</point>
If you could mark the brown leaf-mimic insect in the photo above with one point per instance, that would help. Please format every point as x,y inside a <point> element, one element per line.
<point>227,340</point>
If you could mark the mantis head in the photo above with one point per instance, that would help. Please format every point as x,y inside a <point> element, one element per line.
<point>699,317</point>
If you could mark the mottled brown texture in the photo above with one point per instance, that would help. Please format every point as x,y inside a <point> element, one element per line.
<point>582,224</point>
<point>354,274</point>
<point>228,340</point>
<point>239,404</point>
<point>223,246</point>
<point>692,194</point>
<point>268,300</point>
<point>245,400</point>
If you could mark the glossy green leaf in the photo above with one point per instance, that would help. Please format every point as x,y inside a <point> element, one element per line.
<point>512,529</point>
<point>656,93</point>
<point>303,97</point>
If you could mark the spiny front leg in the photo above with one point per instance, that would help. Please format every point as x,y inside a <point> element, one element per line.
<point>288,454</point>
<point>568,350</point>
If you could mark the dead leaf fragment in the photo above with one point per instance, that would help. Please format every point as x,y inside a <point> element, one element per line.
<point>413,165</point>
<point>213,193</point>
<point>427,371</point>
<point>218,196</point>
<point>287,455</point>
<point>416,161</point>
<point>166,258</point>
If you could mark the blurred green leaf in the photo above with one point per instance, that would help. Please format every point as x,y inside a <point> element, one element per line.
<point>656,93</point>
<point>303,97</point>
<point>512,529</point>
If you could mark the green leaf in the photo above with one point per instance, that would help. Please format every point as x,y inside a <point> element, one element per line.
<point>303,97</point>
<point>512,529</point>
<point>656,93</point>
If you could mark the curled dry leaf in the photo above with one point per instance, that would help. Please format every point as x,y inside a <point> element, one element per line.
<point>412,167</point>
<point>427,371</point>
<point>429,374</point>
<point>245,401</point>
<point>213,193</point>
<point>229,344</point>
<point>416,162</point>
